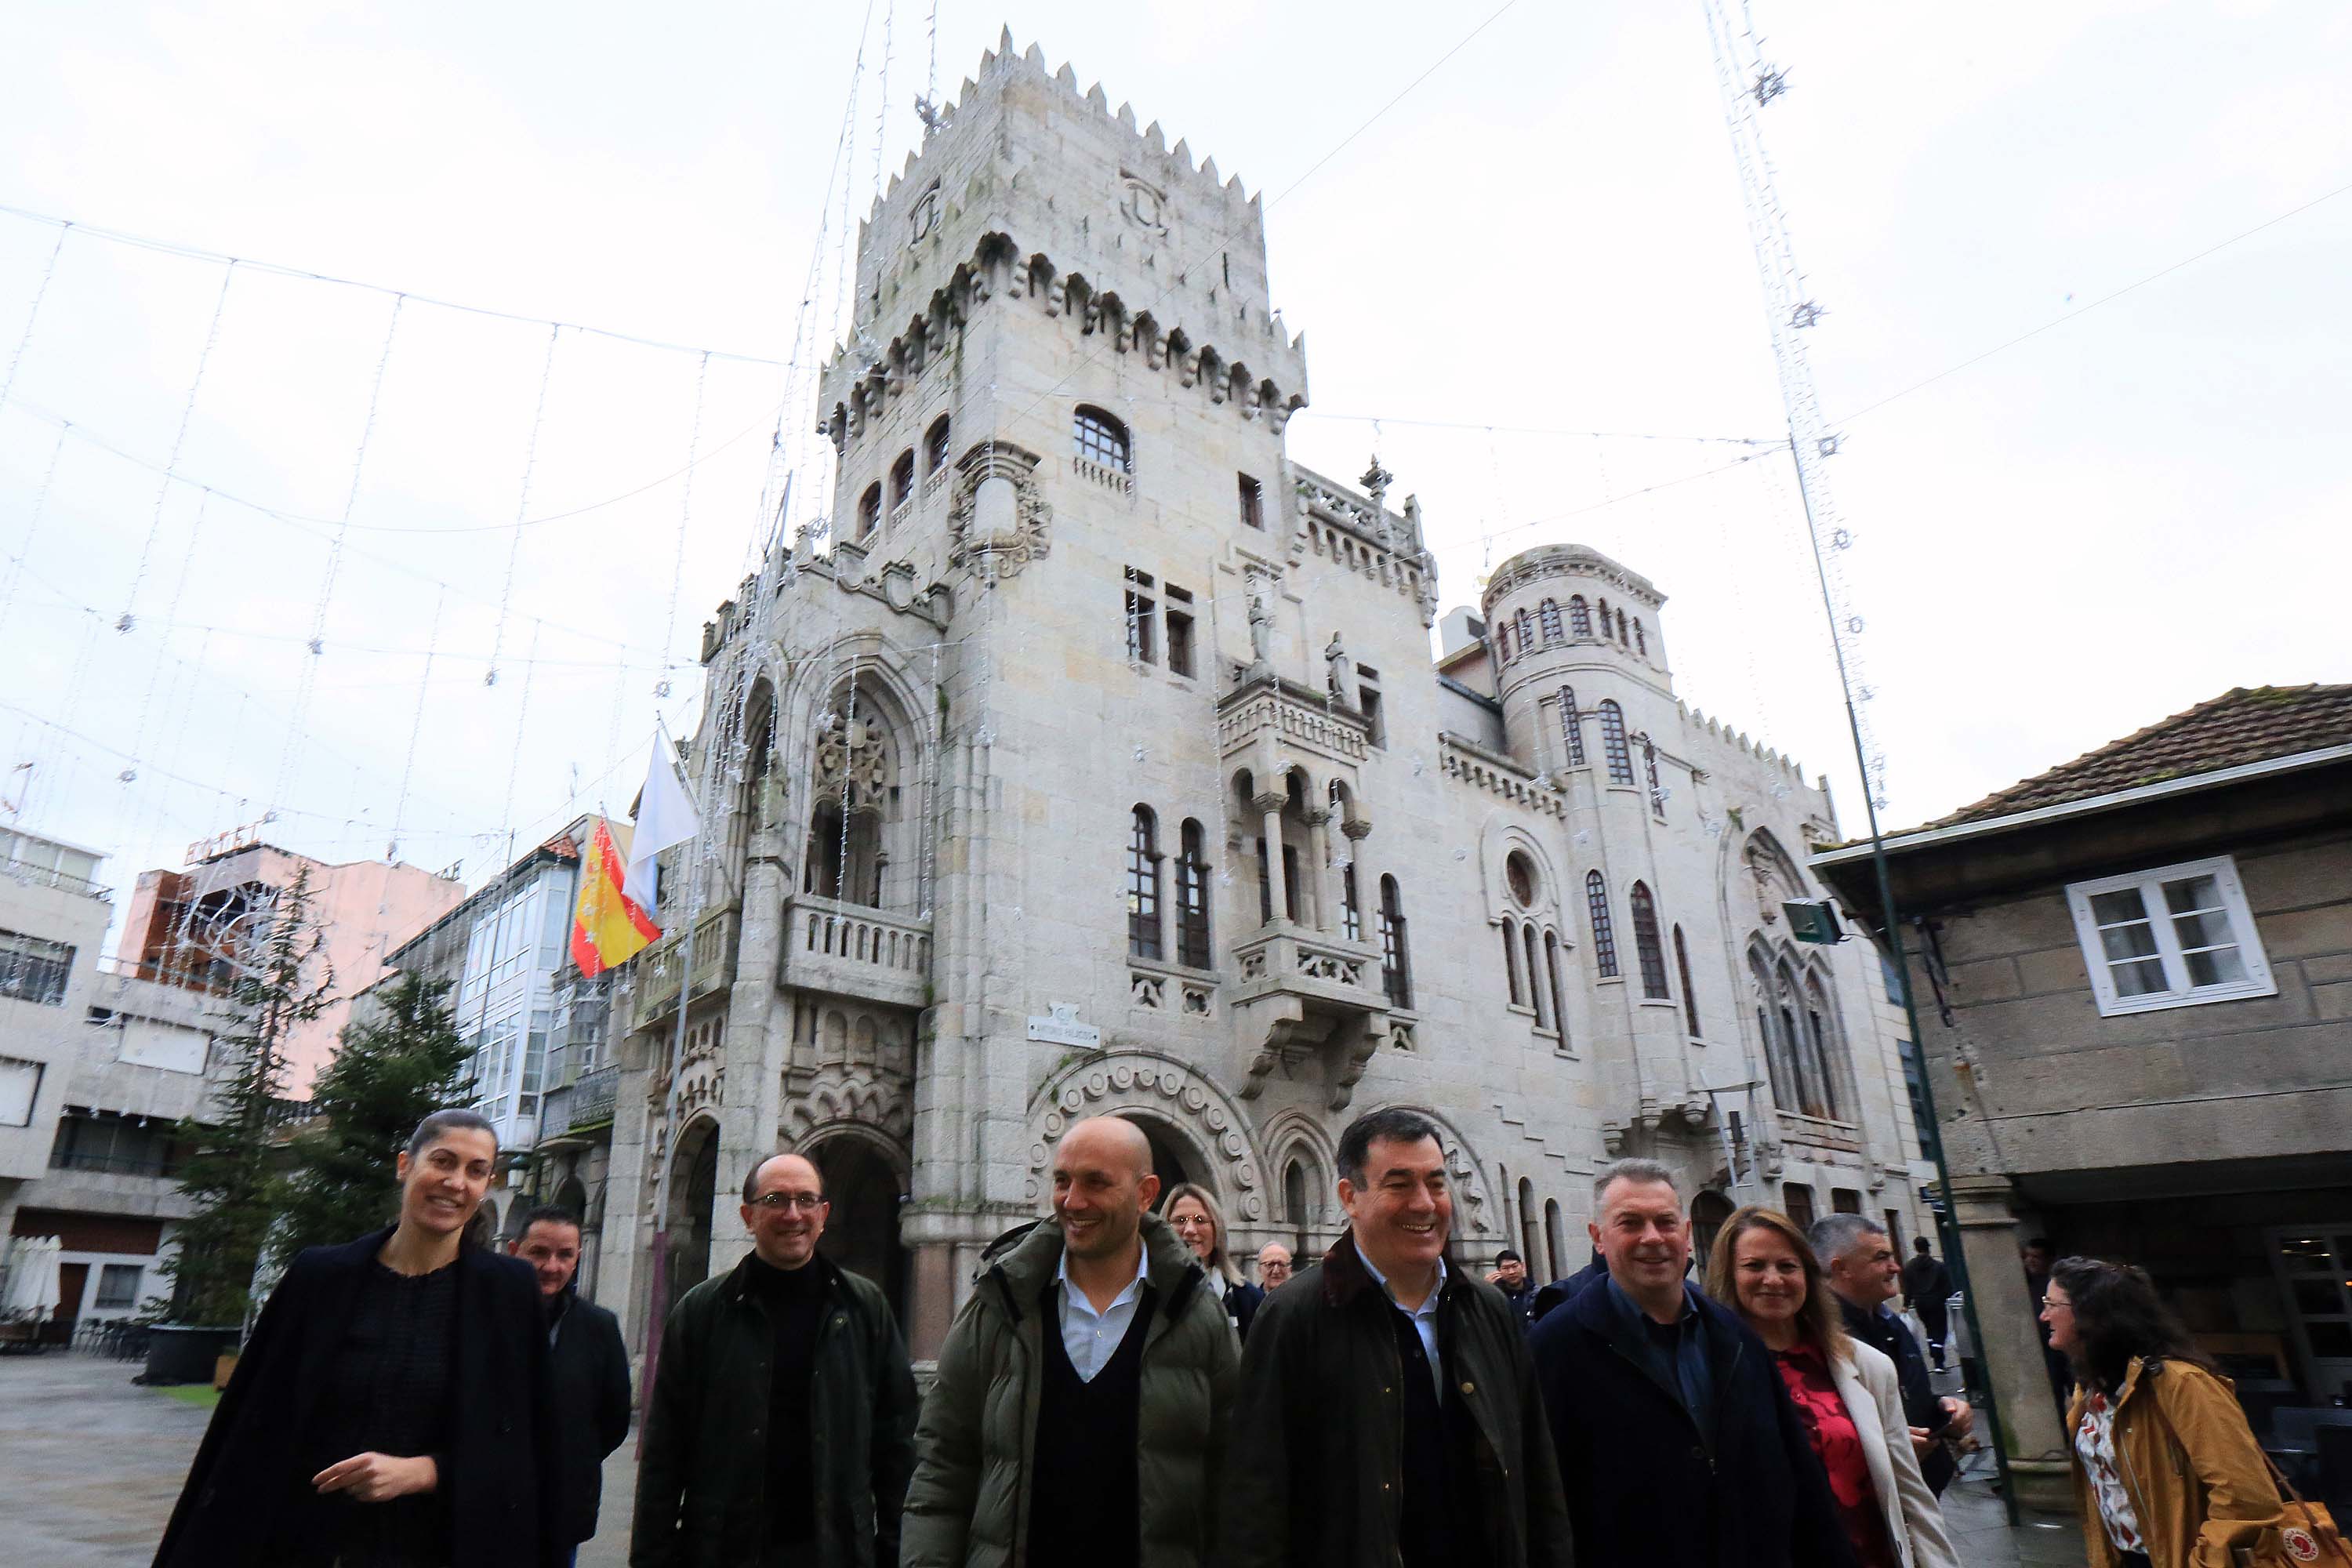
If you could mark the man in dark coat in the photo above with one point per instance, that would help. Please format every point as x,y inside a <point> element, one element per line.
<point>1678,1446</point>
<point>779,1425</point>
<point>1858,1257</point>
<point>1562,1291</point>
<point>1510,1276</point>
<point>1928,1291</point>
<point>588,1371</point>
<point>1387,1411</point>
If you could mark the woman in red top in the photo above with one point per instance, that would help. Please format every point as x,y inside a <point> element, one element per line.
<point>1847,1394</point>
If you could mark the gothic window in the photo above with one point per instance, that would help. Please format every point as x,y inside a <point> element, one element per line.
<point>1396,970</point>
<point>1100,438</point>
<point>1640,643</point>
<point>935,447</point>
<point>1511,961</point>
<point>1191,897</point>
<point>1646,946</point>
<point>1579,616</point>
<point>1682,972</point>
<point>1547,617</point>
<point>1605,936</point>
<point>1527,632</point>
<point>1825,1056</point>
<point>1143,885</point>
<point>1559,996</point>
<point>1650,761</point>
<point>1612,742</point>
<point>1253,503</point>
<point>1536,990</point>
<point>869,509</point>
<point>902,480</point>
<point>1571,725</point>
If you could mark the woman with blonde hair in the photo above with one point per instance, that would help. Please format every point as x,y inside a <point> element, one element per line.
<point>1847,1395</point>
<point>1199,1224</point>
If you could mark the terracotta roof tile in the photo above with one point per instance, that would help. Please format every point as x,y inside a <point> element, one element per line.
<point>2247,724</point>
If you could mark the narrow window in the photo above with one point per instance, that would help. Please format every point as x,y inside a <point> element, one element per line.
<point>1640,643</point>
<point>1253,503</point>
<point>1191,897</point>
<point>1579,616</point>
<point>1547,617</point>
<point>1559,995</point>
<point>1620,626</point>
<point>1682,973</point>
<point>1646,946</point>
<point>1368,701</point>
<point>1536,989</point>
<point>1604,939</point>
<point>1291,890</point>
<point>1396,971</point>
<point>1502,642</point>
<point>1604,620</point>
<point>1143,884</point>
<point>1180,643</point>
<point>1527,631</point>
<point>1511,961</point>
<point>1351,910</point>
<point>1265,887</point>
<point>1612,742</point>
<point>1571,725</point>
<point>902,480</point>
<point>869,510</point>
<point>1142,611</point>
<point>935,447</point>
<point>1100,438</point>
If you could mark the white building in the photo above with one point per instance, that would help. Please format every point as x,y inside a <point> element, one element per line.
<point>1100,764</point>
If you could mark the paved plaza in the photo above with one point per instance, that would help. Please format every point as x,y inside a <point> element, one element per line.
<point>90,1463</point>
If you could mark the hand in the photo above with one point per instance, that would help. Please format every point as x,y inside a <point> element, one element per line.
<point>1494,1277</point>
<point>1963,1418</point>
<point>1922,1441</point>
<point>379,1478</point>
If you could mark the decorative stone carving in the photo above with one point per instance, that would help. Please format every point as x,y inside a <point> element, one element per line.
<point>1161,1089</point>
<point>850,755</point>
<point>1002,547</point>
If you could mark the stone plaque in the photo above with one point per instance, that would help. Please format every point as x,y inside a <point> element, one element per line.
<point>1060,1026</point>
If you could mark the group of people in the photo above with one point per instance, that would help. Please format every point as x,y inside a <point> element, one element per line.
<point>1112,1392</point>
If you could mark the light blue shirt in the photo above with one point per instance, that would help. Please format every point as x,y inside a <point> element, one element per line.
<point>1092,1338</point>
<point>1425,1317</point>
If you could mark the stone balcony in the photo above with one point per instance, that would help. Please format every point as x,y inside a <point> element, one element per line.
<point>1308,1003</point>
<point>1290,715</point>
<point>853,950</point>
<point>660,970</point>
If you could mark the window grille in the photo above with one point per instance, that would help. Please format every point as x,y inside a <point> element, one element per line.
<point>1604,937</point>
<point>1579,616</point>
<point>1396,969</point>
<point>1527,632</point>
<point>1099,438</point>
<point>869,509</point>
<point>1571,727</point>
<point>1612,742</point>
<point>1547,617</point>
<point>1143,885</point>
<point>902,480</point>
<point>1647,947</point>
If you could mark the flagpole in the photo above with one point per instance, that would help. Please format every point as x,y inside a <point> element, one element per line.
<point>664,748</point>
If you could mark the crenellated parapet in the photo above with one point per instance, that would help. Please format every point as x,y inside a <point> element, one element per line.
<point>1359,533</point>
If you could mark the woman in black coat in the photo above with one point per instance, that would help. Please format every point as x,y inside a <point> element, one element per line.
<point>390,1410</point>
<point>1199,1224</point>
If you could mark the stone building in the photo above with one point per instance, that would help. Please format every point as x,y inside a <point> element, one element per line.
<point>1093,760</point>
<point>2134,975</point>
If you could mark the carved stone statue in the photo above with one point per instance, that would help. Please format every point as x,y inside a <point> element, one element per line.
<point>1261,624</point>
<point>1341,676</point>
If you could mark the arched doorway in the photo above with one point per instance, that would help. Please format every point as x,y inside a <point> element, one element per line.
<point>693,1184</point>
<point>861,1232</point>
<point>1709,1211</point>
<point>1171,1160</point>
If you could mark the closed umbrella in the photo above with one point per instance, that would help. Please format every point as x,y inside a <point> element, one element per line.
<point>33,1287</point>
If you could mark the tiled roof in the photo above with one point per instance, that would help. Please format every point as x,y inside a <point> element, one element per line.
<point>2247,724</point>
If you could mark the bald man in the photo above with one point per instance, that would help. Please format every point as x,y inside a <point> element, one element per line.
<point>1080,1411</point>
<point>779,1424</point>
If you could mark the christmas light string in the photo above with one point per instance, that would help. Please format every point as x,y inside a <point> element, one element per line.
<point>187,411</point>
<point>522,504</point>
<point>33,315</point>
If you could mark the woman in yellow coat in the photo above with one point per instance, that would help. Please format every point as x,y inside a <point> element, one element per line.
<point>2166,1472</point>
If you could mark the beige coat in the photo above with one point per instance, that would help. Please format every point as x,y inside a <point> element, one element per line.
<point>1866,1381</point>
<point>2196,1477</point>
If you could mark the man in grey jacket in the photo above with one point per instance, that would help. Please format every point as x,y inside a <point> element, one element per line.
<point>1080,1411</point>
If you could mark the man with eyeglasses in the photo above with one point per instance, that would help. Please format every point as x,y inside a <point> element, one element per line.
<point>779,1426</point>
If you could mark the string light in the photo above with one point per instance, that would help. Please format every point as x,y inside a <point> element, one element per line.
<point>187,411</point>
<point>522,505</point>
<point>33,315</point>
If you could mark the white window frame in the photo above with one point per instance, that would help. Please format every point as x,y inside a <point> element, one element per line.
<point>2258,980</point>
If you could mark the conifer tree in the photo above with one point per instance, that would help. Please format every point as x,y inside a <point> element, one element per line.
<point>387,1076</point>
<point>281,981</point>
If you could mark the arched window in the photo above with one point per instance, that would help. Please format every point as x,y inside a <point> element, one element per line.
<point>1825,1056</point>
<point>935,447</point>
<point>1511,960</point>
<point>1396,971</point>
<point>1646,946</point>
<point>1551,974</point>
<point>1101,439</point>
<point>1538,994</point>
<point>1604,618</point>
<point>1502,642</point>
<point>1640,643</point>
<point>1191,897</point>
<point>1294,1199</point>
<point>1143,884</point>
<point>1352,907</point>
<point>1530,1236</point>
<point>1547,617</point>
<point>1556,1240</point>
<point>1612,742</point>
<point>1682,973</point>
<point>1527,632</point>
<point>869,509</point>
<point>902,480</point>
<point>1605,936</point>
<point>1621,625</point>
<point>1579,616</point>
<point>1571,723</point>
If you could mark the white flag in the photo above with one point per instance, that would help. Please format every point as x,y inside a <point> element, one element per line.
<point>666,819</point>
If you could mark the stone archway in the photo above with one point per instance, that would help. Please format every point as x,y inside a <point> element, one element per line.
<point>693,1189</point>
<point>865,1188</point>
<point>1194,1126</point>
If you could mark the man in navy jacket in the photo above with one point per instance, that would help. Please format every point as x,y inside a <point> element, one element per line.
<point>1678,1446</point>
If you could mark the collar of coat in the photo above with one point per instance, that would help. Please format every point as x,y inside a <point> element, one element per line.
<point>1344,1277</point>
<point>739,1278</point>
<point>1025,1259</point>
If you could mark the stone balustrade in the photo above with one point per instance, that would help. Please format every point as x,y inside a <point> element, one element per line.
<point>853,950</point>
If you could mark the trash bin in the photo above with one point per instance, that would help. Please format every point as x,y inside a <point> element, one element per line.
<point>186,1352</point>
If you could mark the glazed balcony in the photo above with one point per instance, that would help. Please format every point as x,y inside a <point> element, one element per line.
<point>853,950</point>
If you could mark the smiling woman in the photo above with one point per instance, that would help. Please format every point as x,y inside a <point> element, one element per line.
<point>337,1440</point>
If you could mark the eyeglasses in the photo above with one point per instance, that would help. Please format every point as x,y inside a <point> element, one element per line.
<point>2053,1304</point>
<point>776,1203</point>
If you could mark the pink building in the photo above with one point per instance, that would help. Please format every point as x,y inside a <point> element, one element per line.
<point>180,923</point>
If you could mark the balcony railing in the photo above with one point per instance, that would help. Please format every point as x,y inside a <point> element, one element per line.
<point>661,968</point>
<point>37,875</point>
<point>1819,1132</point>
<point>852,949</point>
<point>1295,715</point>
<point>583,1105</point>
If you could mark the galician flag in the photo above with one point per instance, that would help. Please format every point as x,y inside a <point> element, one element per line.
<point>666,819</point>
<point>607,928</point>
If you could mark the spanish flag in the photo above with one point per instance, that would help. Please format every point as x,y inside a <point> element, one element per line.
<point>607,929</point>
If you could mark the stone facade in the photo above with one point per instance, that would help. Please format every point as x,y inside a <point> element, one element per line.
<point>1093,760</point>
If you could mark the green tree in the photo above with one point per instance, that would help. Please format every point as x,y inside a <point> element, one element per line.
<point>386,1076</point>
<point>281,980</point>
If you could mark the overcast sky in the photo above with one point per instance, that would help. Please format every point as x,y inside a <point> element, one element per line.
<point>2118,518</point>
